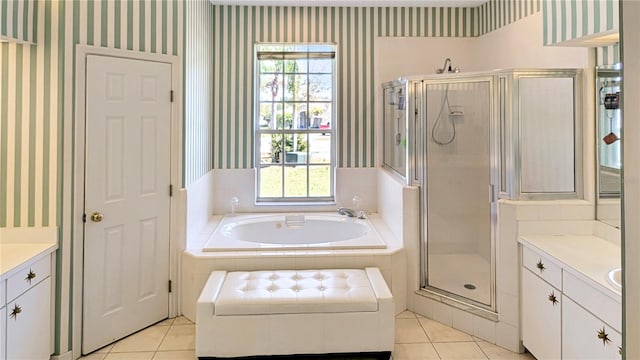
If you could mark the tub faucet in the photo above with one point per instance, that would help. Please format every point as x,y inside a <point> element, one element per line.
<point>345,211</point>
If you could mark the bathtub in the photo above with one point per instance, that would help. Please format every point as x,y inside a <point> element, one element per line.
<point>213,250</point>
<point>314,231</point>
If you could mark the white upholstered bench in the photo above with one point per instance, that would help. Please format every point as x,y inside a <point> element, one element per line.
<point>290,312</point>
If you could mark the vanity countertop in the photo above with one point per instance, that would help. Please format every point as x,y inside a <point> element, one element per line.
<point>18,246</point>
<point>585,256</point>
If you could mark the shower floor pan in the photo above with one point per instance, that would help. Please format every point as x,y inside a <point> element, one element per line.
<point>466,275</point>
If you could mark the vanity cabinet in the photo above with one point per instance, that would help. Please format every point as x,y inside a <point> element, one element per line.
<point>564,316</point>
<point>541,306</point>
<point>588,337</point>
<point>26,314</point>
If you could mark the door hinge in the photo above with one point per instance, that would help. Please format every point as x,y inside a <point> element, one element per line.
<point>84,218</point>
<point>170,190</point>
<point>171,95</point>
<point>169,285</point>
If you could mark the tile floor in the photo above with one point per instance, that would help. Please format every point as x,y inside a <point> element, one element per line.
<point>417,338</point>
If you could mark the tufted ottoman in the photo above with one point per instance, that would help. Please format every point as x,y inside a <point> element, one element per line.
<point>291,312</point>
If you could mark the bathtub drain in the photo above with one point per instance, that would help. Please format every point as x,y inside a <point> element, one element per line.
<point>469,286</point>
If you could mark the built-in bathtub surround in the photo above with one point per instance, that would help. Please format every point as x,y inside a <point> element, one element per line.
<point>197,264</point>
<point>241,183</point>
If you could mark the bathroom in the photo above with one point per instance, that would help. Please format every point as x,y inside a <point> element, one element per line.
<point>212,159</point>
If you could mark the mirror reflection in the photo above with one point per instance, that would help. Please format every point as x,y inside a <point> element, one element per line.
<point>609,159</point>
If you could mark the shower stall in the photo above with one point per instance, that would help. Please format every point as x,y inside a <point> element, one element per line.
<point>458,177</point>
<point>468,140</point>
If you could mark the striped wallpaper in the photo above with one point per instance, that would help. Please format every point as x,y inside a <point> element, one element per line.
<point>608,55</point>
<point>198,77</point>
<point>237,28</point>
<point>37,104</point>
<point>353,29</point>
<point>36,99</point>
<point>17,20</point>
<point>572,19</point>
<point>495,14</point>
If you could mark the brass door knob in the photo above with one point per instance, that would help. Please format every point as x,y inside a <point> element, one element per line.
<point>97,217</point>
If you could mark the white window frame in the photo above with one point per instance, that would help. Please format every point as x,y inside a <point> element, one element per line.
<point>258,132</point>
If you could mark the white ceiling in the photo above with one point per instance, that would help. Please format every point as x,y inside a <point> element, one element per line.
<point>418,3</point>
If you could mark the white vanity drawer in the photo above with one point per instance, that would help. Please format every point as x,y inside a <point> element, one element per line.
<point>601,305</point>
<point>542,266</point>
<point>27,277</point>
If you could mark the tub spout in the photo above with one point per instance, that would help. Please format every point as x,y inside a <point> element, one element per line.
<point>345,211</point>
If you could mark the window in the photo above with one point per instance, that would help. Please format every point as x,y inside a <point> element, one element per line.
<point>295,121</point>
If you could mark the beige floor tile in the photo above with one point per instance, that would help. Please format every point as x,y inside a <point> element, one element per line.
<point>495,352</point>
<point>94,356</point>
<point>406,315</point>
<point>147,355</point>
<point>175,355</point>
<point>166,322</point>
<point>105,349</point>
<point>179,337</point>
<point>146,340</point>
<point>438,332</point>
<point>459,351</point>
<point>409,331</point>
<point>181,320</point>
<point>424,351</point>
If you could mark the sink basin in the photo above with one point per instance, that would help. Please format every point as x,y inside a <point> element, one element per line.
<point>614,277</point>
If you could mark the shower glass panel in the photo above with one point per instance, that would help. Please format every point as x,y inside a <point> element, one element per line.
<point>458,173</point>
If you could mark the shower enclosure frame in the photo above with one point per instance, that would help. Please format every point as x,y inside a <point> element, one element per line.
<point>418,90</point>
<point>505,160</point>
<point>510,147</point>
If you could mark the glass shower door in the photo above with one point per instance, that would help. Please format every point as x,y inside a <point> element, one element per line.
<point>458,172</point>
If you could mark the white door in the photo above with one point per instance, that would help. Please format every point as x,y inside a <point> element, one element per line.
<point>127,179</point>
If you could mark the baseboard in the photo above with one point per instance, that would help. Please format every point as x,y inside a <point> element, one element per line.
<point>66,356</point>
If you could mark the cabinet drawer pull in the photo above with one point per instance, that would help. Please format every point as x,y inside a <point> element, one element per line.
<point>540,265</point>
<point>620,350</point>
<point>16,310</point>
<point>553,298</point>
<point>603,336</point>
<point>30,276</point>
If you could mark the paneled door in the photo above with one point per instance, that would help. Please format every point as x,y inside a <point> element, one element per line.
<point>127,197</point>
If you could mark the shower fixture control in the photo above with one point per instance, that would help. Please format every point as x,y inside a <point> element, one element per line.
<point>447,68</point>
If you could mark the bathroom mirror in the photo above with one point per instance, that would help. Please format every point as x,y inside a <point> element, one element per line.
<point>608,144</point>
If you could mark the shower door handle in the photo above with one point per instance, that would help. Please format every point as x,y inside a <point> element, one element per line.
<point>492,193</point>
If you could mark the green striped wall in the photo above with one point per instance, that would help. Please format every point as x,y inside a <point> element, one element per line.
<point>495,14</point>
<point>237,28</point>
<point>425,22</point>
<point>608,55</point>
<point>565,20</point>
<point>17,20</point>
<point>353,29</point>
<point>36,100</point>
<point>198,58</point>
<point>37,111</point>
